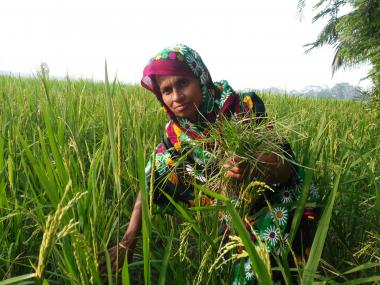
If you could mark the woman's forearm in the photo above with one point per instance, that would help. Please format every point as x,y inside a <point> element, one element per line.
<point>127,245</point>
<point>134,227</point>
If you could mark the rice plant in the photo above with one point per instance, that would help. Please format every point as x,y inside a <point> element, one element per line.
<point>81,146</point>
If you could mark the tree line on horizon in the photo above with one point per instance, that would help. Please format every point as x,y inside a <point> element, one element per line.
<point>341,90</point>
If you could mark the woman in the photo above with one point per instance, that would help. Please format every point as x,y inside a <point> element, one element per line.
<point>181,82</point>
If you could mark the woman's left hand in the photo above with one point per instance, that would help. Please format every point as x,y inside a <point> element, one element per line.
<point>274,169</point>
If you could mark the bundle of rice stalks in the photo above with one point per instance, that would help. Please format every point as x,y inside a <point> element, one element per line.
<point>244,143</point>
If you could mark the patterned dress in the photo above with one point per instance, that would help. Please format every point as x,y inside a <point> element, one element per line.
<point>219,101</point>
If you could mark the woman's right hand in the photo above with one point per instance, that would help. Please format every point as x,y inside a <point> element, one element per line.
<point>127,244</point>
<point>117,255</point>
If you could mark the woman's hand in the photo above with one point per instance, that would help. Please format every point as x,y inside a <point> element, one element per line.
<point>271,167</point>
<point>127,244</point>
<point>236,169</point>
<point>276,169</point>
<point>117,256</point>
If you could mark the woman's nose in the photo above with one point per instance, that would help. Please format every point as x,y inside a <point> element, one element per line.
<point>177,94</point>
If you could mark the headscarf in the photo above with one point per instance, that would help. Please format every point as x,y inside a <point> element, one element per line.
<point>217,98</point>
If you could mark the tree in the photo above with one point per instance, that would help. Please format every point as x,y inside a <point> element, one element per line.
<point>354,34</point>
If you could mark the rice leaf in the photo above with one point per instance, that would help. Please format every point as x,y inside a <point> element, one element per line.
<point>125,273</point>
<point>18,279</point>
<point>146,223</point>
<point>263,276</point>
<point>320,236</point>
<point>165,260</point>
<point>362,267</point>
<point>366,280</point>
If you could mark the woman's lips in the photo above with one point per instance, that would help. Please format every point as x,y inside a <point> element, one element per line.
<point>182,107</point>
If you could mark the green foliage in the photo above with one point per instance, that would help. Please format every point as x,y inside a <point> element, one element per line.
<point>97,136</point>
<point>354,34</point>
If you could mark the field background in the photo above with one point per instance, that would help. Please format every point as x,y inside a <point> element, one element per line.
<point>72,154</point>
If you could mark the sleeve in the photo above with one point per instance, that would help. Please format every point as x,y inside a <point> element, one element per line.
<point>161,176</point>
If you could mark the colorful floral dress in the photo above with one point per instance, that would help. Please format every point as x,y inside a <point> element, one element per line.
<point>219,101</point>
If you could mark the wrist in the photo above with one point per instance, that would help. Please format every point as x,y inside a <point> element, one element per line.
<point>129,237</point>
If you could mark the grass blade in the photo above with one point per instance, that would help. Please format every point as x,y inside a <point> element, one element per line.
<point>366,280</point>
<point>108,264</point>
<point>165,261</point>
<point>146,223</point>
<point>18,279</point>
<point>320,237</point>
<point>125,273</point>
<point>361,267</point>
<point>263,276</point>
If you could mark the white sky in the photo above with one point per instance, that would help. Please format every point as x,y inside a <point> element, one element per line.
<point>252,44</point>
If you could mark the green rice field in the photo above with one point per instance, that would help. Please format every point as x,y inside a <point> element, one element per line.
<point>72,157</point>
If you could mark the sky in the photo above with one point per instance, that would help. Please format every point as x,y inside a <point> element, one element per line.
<point>252,44</point>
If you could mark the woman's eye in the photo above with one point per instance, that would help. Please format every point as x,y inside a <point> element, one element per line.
<point>165,91</point>
<point>183,82</point>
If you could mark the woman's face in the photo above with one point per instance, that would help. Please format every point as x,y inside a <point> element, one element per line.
<point>181,94</point>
